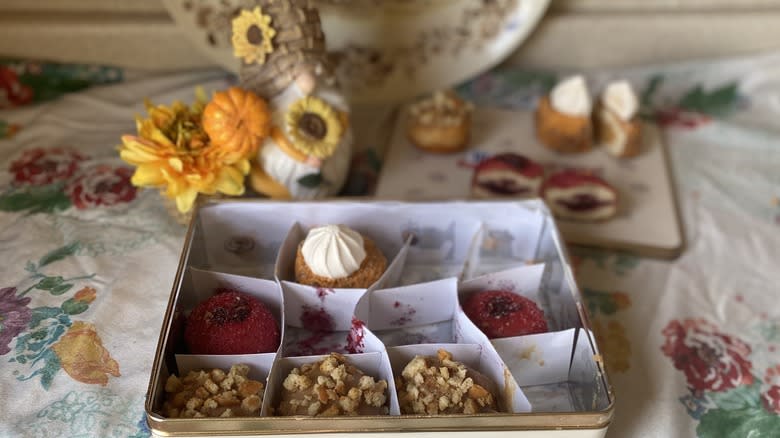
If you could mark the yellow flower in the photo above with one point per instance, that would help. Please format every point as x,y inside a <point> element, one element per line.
<point>172,152</point>
<point>85,295</point>
<point>614,344</point>
<point>314,127</point>
<point>252,35</point>
<point>83,357</point>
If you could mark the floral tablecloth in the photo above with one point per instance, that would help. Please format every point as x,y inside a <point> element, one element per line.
<point>691,345</point>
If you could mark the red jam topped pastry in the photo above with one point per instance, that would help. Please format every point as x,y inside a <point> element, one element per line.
<point>501,314</point>
<point>506,175</point>
<point>580,196</point>
<point>231,322</point>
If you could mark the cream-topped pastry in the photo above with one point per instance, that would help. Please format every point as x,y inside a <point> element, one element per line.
<point>571,97</point>
<point>619,97</point>
<point>563,121</point>
<point>338,256</point>
<point>618,127</point>
<point>333,251</point>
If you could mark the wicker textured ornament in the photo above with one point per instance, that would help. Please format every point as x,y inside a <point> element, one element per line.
<point>298,46</point>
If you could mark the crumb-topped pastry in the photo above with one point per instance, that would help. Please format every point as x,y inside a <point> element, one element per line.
<point>563,121</point>
<point>501,314</point>
<point>580,196</point>
<point>507,175</point>
<point>618,127</point>
<point>441,385</point>
<point>332,387</point>
<point>213,393</point>
<point>441,123</point>
<point>231,322</point>
<point>337,256</point>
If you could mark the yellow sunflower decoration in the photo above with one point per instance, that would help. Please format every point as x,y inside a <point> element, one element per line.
<point>314,127</point>
<point>252,35</point>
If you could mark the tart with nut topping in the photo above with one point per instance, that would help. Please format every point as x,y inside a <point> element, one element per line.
<point>441,123</point>
<point>332,387</point>
<point>440,385</point>
<point>213,393</point>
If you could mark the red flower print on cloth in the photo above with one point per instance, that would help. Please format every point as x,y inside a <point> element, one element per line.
<point>710,360</point>
<point>101,185</point>
<point>12,92</point>
<point>680,118</point>
<point>39,167</point>
<point>770,398</point>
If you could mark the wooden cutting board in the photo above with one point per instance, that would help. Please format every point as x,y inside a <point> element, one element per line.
<point>647,222</point>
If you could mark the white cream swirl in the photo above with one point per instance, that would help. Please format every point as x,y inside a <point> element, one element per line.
<point>571,97</point>
<point>620,98</point>
<point>333,251</point>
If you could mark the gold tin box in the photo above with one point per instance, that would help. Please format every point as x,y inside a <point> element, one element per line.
<point>554,383</point>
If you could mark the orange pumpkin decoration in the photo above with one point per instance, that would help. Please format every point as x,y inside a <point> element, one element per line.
<point>236,121</point>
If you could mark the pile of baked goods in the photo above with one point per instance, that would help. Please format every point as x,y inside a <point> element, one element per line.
<point>242,326</point>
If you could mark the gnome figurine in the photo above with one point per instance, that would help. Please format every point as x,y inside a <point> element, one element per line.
<point>282,51</point>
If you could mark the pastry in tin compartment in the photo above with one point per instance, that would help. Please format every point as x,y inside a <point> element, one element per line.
<point>440,385</point>
<point>507,175</point>
<point>618,127</point>
<point>213,393</point>
<point>563,119</point>
<point>231,322</point>
<point>501,314</point>
<point>580,196</point>
<point>441,123</point>
<point>335,256</point>
<point>332,387</point>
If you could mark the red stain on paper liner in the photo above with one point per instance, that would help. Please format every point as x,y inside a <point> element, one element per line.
<point>406,316</point>
<point>316,319</point>
<point>322,292</point>
<point>355,337</point>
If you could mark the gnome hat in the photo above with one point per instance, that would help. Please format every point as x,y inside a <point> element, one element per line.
<point>277,40</point>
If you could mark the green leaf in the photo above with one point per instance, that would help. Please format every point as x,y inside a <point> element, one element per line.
<point>311,180</point>
<point>30,267</point>
<point>49,283</point>
<point>718,102</point>
<point>45,199</point>
<point>753,423</point>
<point>599,302</point>
<point>59,254</point>
<point>652,86</point>
<point>74,307</point>
<point>741,397</point>
<point>61,289</point>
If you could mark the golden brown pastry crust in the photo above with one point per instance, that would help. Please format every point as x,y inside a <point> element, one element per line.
<point>373,266</point>
<point>440,139</point>
<point>605,121</point>
<point>562,132</point>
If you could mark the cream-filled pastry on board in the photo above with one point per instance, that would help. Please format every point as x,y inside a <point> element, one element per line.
<point>618,127</point>
<point>563,118</point>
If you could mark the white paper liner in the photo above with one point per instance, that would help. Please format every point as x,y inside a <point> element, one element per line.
<point>482,358</point>
<point>237,242</point>
<point>375,364</point>
<point>320,321</point>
